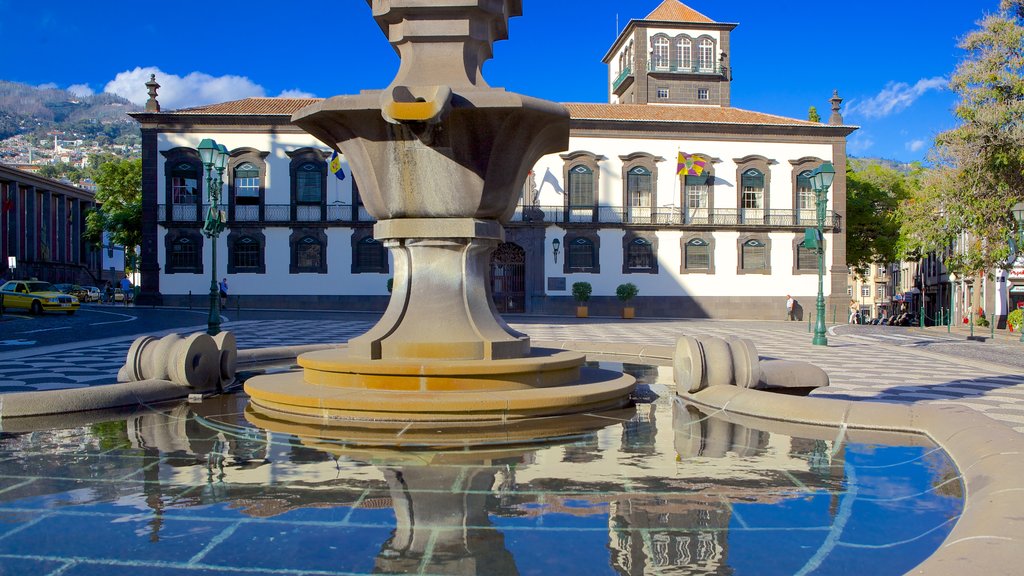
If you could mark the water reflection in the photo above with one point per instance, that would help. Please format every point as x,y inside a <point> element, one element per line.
<point>664,490</point>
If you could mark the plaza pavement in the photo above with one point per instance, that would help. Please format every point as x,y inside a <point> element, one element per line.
<point>868,363</point>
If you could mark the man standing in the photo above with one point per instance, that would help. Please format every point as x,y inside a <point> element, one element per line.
<point>223,292</point>
<point>789,307</point>
<point>126,288</point>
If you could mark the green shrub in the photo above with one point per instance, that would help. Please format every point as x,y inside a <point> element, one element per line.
<point>581,291</point>
<point>981,321</point>
<point>627,291</point>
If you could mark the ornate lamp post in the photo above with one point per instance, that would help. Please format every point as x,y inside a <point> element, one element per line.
<point>821,181</point>
<point>215,158</point>
<point>1017,247</point>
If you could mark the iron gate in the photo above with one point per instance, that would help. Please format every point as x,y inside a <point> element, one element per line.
<point>508,278</point>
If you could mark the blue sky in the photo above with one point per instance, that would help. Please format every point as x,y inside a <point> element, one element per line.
<point>889,59</point>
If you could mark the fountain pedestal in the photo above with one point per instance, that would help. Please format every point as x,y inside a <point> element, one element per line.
<point>441,158</point>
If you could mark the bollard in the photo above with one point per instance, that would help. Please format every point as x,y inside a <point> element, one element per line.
<point>238,307</point>
<point>992,329</point>
<point>970,320</point>
<point>810,316</point>
<point>921,314</point>
<point>833,315</point>
<point>189,299</point>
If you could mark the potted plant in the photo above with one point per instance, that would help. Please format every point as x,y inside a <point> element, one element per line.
<point>581,293</point>
<point>625,293</point>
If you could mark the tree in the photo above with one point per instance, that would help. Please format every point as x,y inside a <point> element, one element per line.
<point>874,193</point>
<point>979,171</point>
<point>119,196</point>
<point>812,114</point>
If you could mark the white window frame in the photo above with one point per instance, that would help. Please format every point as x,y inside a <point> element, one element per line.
<point>707,55</point>
<point>661,54</point>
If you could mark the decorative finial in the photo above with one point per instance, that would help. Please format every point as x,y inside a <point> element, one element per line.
<point>152,105</point>
<point>836,119</point>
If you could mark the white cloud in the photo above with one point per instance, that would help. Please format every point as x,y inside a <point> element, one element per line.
<point>916,145</point>
<point>176,92</point>
<point>295,93</point>
<point>81,90</point>
<point>895,97</point>
<point>48,86</point>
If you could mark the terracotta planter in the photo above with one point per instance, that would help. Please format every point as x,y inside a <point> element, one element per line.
<point>582,312</point>
<point>628,312</point>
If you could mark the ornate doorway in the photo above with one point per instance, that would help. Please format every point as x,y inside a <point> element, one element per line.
<point>508,278</point>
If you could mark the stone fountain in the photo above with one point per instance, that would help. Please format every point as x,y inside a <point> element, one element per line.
<point>441,158</point>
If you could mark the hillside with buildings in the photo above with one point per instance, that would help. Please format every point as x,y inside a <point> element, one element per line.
<point>56,132</point>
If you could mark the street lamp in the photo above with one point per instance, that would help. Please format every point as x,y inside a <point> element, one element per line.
<point>1017,247</point>
<point>821,180</point>
<point>214,157</point>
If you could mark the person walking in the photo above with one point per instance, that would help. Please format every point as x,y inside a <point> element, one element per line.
<point>223,292</point>
<point>126,288</point>
<point>789,307</point>
<point>854,313</point>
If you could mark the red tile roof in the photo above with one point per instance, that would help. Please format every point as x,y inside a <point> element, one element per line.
<point>256,106</point>
<point>669,113</point>
<point>577,111</point>
<point>676,11</point>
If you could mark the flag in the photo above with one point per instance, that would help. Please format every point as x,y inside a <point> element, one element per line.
<point>335,166</point>
<point>692,164</point>
<point>549,178</point>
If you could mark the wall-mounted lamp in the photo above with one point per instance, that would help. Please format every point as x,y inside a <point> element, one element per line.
<point>555,245</point>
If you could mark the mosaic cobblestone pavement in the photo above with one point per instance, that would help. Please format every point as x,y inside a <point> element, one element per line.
<point>870,367</point>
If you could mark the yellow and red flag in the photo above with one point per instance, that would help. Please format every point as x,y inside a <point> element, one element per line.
<point>692,164</point>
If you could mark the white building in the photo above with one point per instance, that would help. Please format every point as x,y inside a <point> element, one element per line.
<point>609,210</point>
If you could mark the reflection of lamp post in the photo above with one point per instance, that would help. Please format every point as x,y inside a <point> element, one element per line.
<point>1016,247</point>
<point>555,245</point>
<point>214,157</point>
<point>821,180</point>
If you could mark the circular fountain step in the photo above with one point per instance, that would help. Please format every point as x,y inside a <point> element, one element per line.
<point>289,394</point>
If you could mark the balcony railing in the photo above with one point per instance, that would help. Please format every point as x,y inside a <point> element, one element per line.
<point>672,216</point>
<point>626,73</point>
<point>343,214</point>
<point>695,68</point>
<point>284,214</point>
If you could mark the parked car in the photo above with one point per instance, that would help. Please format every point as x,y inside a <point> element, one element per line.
<point>65,288</point>
<point>91,294</point>
<point>37,297</point>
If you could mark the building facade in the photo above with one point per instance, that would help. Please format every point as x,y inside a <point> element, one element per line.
<point>725,243</point>
<point>42,222</point>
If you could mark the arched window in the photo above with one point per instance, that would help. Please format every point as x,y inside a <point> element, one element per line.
<point>184,189</point>
<point>581,255</point>
<point>661,53</point>
<point>707,55</point>
<point>309,183</point>
<point>581,190</point>
<point>370,257</point>
<point>639,192</point>
<point>183,251</point>
<point>754,255</point>
<point>806,258</point>
<point>697,255</point>
<point>752,200</point>
<point>246,187</point>
<point>639,255</point>
<point>245,254</point>
<point>309,254</point>
<point>697,193</point>
<point>183,254</point>
<point>805,199</point>
<point>685,46</point>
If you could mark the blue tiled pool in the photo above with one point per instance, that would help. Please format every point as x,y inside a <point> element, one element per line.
<point>196,489</point>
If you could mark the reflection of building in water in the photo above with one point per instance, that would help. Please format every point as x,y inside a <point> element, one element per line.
<point>663,483</point>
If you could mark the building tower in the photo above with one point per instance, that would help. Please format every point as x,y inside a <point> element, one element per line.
<point>675,55</point>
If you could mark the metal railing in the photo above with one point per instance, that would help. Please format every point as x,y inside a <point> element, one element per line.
<point>284,214</point>
<point>342,214</point>
<point>626,73</point>
<point>673,216</point>
<point>695,68</point>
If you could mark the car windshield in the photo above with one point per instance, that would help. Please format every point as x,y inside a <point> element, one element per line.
<point>40,287</point>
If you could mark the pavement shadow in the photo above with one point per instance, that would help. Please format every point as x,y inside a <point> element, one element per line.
<point>910,394</point>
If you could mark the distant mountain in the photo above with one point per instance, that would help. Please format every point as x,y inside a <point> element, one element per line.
<point>27,109</point>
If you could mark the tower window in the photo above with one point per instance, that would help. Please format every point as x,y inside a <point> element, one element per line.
<point>663,93</point>
<point>702,94</point>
